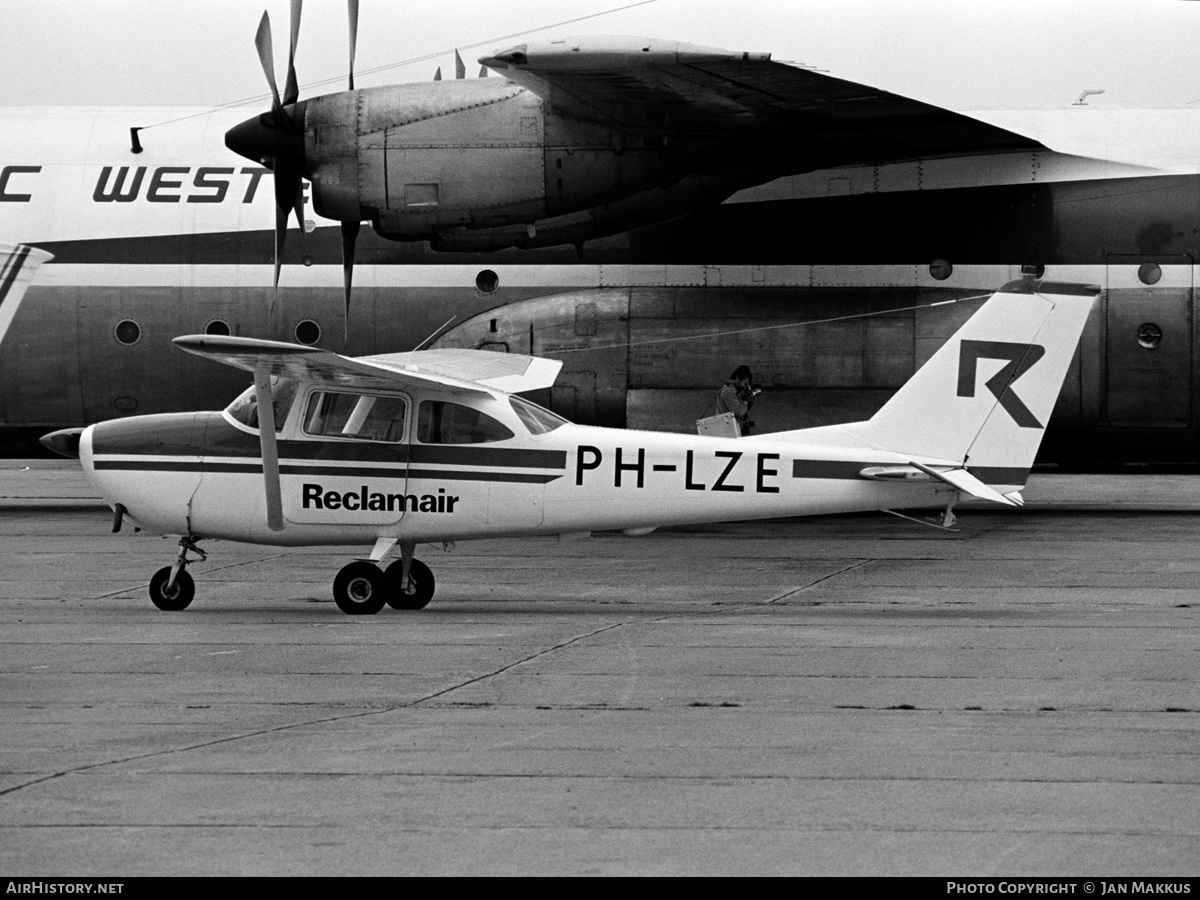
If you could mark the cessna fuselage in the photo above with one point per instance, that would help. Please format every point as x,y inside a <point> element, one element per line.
<point>201,474</point>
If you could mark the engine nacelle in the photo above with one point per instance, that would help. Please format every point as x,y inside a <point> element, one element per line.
<point>485,164</point>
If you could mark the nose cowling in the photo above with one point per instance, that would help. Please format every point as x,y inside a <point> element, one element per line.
<point>151,465</point>
<point>270,137</point>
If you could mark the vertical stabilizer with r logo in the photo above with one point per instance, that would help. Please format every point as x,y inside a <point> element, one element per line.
<point>984,398</point>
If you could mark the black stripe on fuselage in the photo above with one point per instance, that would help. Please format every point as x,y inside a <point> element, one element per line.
<point>398,474</point>
<point>841,469</point>
<point>801,468</point>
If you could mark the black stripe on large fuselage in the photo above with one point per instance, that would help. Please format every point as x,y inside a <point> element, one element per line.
<point>1059,223</point>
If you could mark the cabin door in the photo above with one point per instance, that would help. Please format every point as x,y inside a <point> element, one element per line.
<point>347,463</point>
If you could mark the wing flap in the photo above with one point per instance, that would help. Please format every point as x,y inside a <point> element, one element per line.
<point>510,372</point>
<point>470,371</point>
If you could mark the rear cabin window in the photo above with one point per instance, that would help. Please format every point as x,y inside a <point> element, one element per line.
<point>245,408</point>
<point>364,417</point>
<point>439,422</point>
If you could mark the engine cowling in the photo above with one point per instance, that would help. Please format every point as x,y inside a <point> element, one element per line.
<point>485,164</point>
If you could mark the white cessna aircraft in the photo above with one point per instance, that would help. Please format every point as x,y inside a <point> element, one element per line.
<point>435,446</point>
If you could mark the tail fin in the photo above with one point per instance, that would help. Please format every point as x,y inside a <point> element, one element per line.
<point>16,271</point>
<point>983,399</point>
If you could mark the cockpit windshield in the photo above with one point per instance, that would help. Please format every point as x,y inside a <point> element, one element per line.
<point>537,419</point>
<point>245,408</point>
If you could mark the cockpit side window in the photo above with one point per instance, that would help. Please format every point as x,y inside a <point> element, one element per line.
<point>364,417</point>
<point>245,408</point>
<point>439,422</point>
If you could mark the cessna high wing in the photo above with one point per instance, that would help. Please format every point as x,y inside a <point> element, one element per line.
<point>651,213</point>
<point>435,446</point>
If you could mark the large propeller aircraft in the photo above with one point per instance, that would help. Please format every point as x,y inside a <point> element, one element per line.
<point>436,446</point>
<point>582,138</point>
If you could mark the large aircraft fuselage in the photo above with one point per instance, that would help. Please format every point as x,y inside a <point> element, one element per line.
<point>649,323</point>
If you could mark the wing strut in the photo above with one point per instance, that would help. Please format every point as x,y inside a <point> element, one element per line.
<point>266,441</point>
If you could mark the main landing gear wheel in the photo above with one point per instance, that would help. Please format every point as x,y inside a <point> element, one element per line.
<point>178,596</point>
<point>359,589</point>
<point>419,590</point>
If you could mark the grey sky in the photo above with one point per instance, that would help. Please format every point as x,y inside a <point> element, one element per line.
<point>965,54</point>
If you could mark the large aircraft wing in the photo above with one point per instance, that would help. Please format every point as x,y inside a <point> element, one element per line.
<point>637,83</point>
<point>18,263</point>
<point>465,370</point>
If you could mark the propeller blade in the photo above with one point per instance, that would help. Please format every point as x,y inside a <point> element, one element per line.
<point>352,10</point>
<point>298,206</point>
<point>460,69</point>
<point>266,55</point>
<point>287,186</point>
<point>349,236</point>
<point>483,72</point>
<point>291,92</point>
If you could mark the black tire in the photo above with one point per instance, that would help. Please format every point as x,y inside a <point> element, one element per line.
<point>420,585</point>
<point>359,589</point>
<point>181,592</point>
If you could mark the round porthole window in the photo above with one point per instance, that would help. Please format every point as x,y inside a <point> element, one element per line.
<point>1149,335</point>
<point>218,327</point>
<point>128,332</point>
<point>940,269</point>
<point>1149,273</point>
<point>308,332</point>
<point>487,281</point>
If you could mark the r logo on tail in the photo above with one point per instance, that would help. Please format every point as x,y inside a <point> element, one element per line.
<point>1019,359</point>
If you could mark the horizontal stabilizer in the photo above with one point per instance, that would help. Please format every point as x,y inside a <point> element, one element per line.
<point>967,483</point>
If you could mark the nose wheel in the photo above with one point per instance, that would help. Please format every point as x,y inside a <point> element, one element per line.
<point>172,588</point>
<point>168,596</point>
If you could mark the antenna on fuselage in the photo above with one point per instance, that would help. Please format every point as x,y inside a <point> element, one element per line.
<point>424,345</point>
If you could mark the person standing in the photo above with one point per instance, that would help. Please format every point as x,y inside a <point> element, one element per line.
<point>737,396</point>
